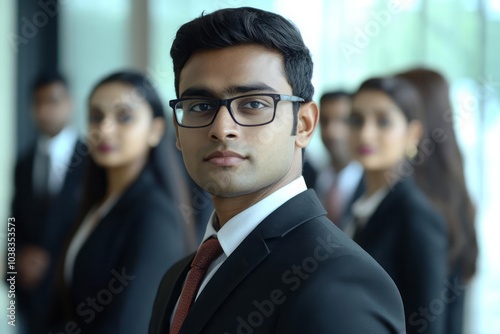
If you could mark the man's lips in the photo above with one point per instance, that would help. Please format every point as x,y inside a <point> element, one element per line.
<point>224,158</point>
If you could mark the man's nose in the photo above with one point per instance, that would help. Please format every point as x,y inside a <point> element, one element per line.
<point>224,127</point>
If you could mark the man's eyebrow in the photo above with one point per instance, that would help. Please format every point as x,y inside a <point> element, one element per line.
<point>230,91</point>
<point>198,91</point>
<point>257,87</point>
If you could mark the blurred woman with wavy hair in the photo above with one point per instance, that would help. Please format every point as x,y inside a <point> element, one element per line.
<point>441,176</point>
<point>129,231</point>
<point>393,220</point>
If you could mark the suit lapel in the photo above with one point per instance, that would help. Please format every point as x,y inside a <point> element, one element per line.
<point>168,294</point>
<point>249,254</point>
<point>377,222</point>
<point>237,266</point>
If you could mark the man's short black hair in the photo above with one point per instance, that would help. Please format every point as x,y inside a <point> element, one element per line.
<point>334,95</point>
<point>49,78</point>
<point>239,26</point>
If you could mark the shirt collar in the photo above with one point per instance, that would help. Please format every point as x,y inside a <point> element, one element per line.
<point>240,226</point>
<point>365,206</point>
<point>59,145</point>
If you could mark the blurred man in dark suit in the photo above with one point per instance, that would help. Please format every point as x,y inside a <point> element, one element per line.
<point>47,191</point>
<point>339,183</point>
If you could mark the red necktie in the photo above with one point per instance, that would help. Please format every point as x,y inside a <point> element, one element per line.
<point>208,252</point>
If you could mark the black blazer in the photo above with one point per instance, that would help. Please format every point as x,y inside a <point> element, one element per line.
<point>295,273</point>
<point>120,265</point>
<point>408,238</point>
<point>45,223</point>
<point>310,174</point>
<point>36,218</point>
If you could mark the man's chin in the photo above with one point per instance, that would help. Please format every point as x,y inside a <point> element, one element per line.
<point>227,191</point>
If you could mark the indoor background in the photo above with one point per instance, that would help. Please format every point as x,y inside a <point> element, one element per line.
<point>349,41</point>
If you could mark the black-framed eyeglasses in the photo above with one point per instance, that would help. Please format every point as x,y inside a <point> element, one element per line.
<point>246,110</point>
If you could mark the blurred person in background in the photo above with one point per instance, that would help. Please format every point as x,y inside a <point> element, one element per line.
<point>129,231</point>
<point>394,221</point>
<point>337,185</point>
<point>440,174</point>
<point>47,191</point>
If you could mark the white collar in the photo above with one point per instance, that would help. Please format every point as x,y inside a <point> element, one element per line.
<point>347,179</point>
<point>240,226</point>
<point>60,149</point>
<point>58,145</point>
<point>364,207</point>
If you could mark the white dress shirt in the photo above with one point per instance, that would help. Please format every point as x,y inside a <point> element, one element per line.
<point>232,234</point>
<point>364,208</point>
<point>60,148</point>
<point>347,182</point>
<point>236,229</point>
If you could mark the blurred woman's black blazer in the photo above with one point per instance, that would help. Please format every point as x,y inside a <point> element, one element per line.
<point>119,267</point>
<point>408,238</point>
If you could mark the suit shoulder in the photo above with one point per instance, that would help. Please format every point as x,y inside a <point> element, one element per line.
<point>336,276</point>
<point>321,240</point>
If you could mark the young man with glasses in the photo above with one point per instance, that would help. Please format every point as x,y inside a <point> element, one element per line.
<point>270,261</point>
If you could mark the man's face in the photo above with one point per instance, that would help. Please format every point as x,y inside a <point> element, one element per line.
<point>225,158</point>
<point>335,128</point>
<point>51,108</point>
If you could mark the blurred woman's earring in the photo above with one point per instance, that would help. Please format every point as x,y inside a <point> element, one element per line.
<point>411,152</point>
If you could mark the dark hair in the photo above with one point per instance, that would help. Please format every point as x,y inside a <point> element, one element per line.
<point>162,159</point>
<point>441,174</point>
<point>400,91</point>
<point>48,78</point>
<point>334,95</point>
<point>94,191</point>
<point>239,26</point>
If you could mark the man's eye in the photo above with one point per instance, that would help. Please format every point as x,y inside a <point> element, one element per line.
<point>201,107</point>
<point>253,105</point>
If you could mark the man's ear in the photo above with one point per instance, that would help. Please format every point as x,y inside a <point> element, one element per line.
<point>176,127</point>
<point>157,131</point>
<point>307,121</point>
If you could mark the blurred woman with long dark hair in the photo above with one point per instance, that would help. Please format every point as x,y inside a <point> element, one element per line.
<point>393,220</point>
<point>129,231</point>
<point>440,175</point>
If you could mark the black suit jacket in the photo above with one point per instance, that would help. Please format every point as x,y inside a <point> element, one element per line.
<point>295,273</point>
<point>120,265</point>
<point>45,223</point>
<point>36,218</point>
<point>310,174</point>
<point>408,238</point>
